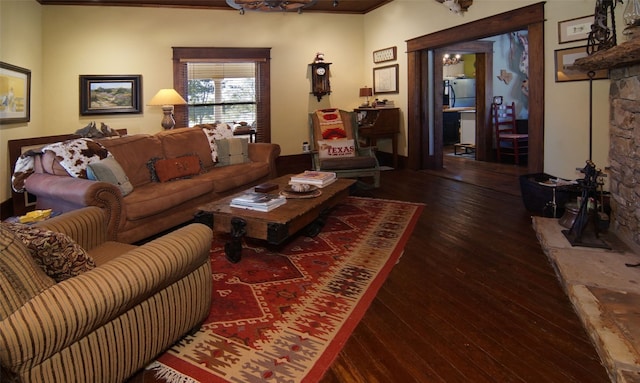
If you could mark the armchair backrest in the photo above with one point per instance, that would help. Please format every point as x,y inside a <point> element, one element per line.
<point>327,124</point>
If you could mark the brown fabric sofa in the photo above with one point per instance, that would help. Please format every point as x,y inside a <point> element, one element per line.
<point>105,323</point>
<point>153,206</point>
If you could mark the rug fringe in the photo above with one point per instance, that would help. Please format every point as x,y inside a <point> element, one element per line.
<point>168,374</point>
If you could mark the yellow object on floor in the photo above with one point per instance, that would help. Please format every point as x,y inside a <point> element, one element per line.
<point>34,216</point>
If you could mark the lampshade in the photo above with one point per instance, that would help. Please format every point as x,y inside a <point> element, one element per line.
<point>167,97</point>
<point>366,92</point>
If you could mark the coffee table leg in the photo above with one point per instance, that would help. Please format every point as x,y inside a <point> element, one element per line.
<point>316,226</point>
<point>233,248</point>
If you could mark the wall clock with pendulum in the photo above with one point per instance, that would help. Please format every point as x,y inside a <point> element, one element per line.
<point>320,85</point>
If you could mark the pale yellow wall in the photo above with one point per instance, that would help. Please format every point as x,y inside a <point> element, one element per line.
<point>20,45</point>
<point>566,104</point>
<point>127,40</point>
<point>59,43</point>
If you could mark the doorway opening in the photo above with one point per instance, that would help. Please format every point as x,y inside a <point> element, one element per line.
<point>425,98</point>
<point>505,81</point>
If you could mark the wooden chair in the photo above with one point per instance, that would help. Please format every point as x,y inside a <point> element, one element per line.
<point>508,141</point>
<point>335,148</point>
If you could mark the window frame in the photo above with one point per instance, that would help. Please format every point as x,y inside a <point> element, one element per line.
<point>260,56</point>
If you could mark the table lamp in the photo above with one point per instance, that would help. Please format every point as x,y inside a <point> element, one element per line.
<point>167,98</point>
<point>366,92</point>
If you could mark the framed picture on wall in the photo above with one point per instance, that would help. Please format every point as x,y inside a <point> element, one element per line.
<point>111,94</point>
<point>574,29</point>
<point>386,54</point>
<point>385,79</point>
<point>15,94</point>
<point>564,59</point>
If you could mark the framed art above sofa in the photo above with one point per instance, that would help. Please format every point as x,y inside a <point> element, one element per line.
<point>110,94</point>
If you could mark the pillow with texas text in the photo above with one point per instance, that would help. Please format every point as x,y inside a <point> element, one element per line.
<point>336,148</point>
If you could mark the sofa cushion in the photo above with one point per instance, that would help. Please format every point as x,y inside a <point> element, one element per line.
<point>56,253</point>
<point>155,198</point>
<point>132,153</point>
<point>174,168</point>
<point>109,170</point>
<point>20,277</point>
<point>346,163</point>
<point>233,151</point>
<point>185,141</point>
<point>226,178</point>
<point>50,164</point>
<point>336,148</point>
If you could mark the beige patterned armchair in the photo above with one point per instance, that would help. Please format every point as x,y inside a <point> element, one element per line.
<point>106,323</point>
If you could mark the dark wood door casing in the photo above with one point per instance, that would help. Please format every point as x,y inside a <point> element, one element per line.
<point>426,152</point>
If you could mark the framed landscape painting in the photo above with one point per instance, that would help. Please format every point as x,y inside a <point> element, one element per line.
<point>111,94</point>
<point>15,94</point>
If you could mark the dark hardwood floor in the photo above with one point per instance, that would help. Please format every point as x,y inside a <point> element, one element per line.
<point>473,298</point>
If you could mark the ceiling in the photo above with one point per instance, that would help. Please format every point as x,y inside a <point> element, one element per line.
<point>325,6</point>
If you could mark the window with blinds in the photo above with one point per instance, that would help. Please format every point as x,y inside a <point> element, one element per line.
<point>221,92</point>
<point>228,85</point>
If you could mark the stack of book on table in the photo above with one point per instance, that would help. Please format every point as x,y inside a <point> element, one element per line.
<point>258,201</point>
<point>313,177</point>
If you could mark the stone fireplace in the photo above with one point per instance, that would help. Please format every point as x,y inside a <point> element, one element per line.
<point>624,131</point>
<point>624,152</point>
<point>604,290</point>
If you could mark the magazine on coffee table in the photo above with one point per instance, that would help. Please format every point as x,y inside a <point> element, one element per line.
<point>313,177</point>
<point>258,201</point>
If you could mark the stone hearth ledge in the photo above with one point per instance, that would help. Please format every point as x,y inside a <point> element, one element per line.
<point>604,292</point>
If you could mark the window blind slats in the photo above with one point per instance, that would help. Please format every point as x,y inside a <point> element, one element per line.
<point>222,75</point>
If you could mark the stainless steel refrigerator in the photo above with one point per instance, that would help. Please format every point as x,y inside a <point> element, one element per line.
<point>460,93</point>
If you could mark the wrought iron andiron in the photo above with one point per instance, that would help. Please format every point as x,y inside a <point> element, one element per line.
<point>579,233</point>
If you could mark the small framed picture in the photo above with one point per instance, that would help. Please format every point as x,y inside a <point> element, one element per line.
<point>564,59</point>
<point>111,94</point>
<point>574,29</point>
<point>15,94</point>
<point>385,79</point>
<point>386,54</point>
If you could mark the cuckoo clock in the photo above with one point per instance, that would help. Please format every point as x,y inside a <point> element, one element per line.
<point>320,85</point>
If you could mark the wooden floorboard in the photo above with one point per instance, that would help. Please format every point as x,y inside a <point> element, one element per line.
<point>473,298</point>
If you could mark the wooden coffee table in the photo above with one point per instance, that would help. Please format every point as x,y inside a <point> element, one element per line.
<point>276,225</point>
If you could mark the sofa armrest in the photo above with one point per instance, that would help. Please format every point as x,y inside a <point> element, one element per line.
<point>264,152</point>
<point>69,310</point>
<point>86,226</point>
<point>64,194</point>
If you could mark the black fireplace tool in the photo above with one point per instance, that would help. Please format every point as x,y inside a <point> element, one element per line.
<point>581,233</point>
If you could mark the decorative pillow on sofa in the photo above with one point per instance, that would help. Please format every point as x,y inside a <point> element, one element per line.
<point>173,168</point>
<point>233,151</point>
<point>20,278</point>
<point>336,148</point>
<point>109,170</point>
<point>214,133</point>
<point>57,254</point>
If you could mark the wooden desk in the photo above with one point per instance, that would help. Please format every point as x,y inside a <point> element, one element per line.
<point>380,123</point>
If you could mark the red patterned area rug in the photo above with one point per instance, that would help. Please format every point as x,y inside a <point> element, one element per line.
<point>283,314</point>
